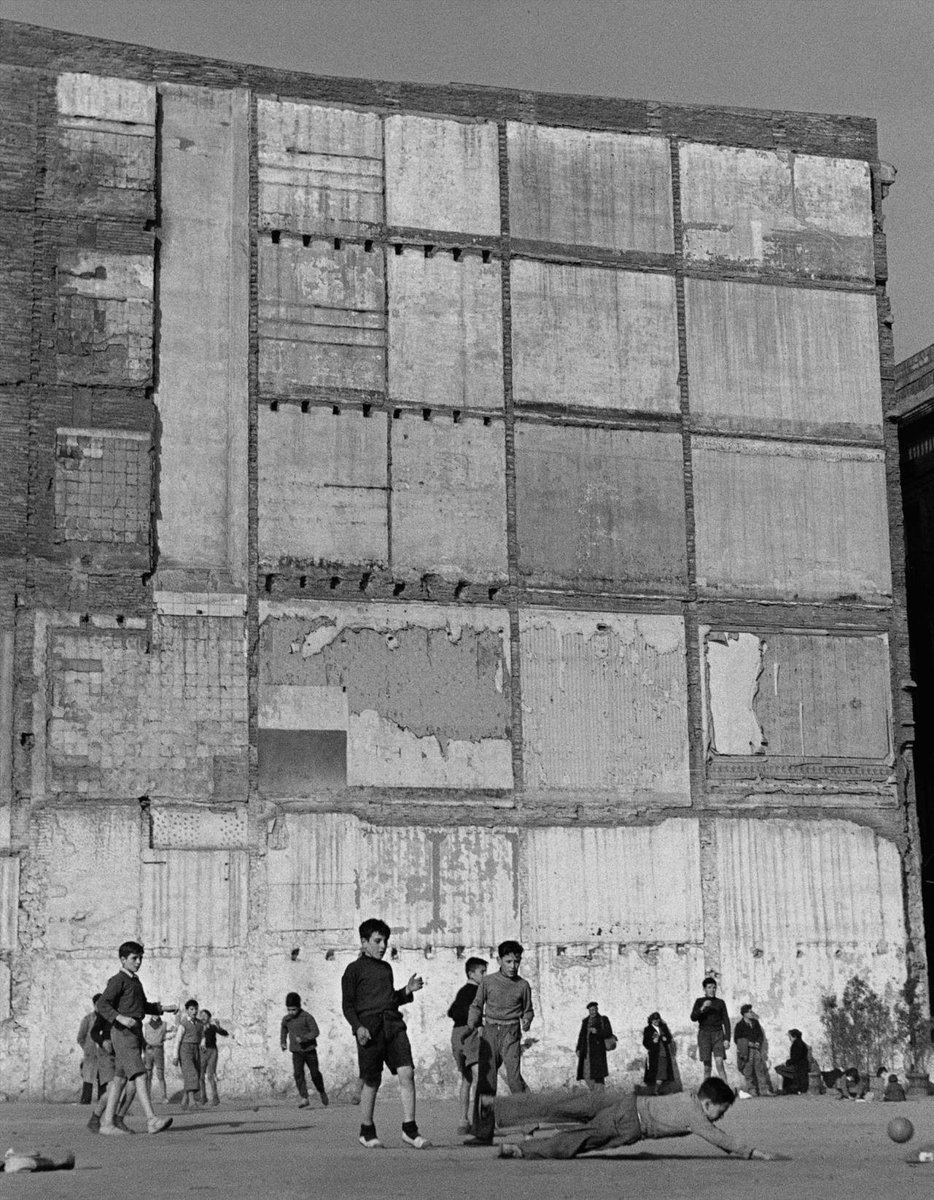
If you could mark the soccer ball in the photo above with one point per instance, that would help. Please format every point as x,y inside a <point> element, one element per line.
<point>900,1129</point>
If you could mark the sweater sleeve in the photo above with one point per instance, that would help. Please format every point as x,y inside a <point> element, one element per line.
<point>475,1013</point>
<point>349,998</point>
<point>725,1022</point>
<point>110,998</point>
<point>696,1013</point>
<point>528,1012</point>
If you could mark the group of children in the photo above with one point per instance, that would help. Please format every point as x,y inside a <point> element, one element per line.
<point>123,1050</point>
<point>490,1015</point>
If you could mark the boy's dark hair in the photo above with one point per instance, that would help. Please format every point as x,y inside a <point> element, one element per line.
<point>192,1004</point>
<point>709,979</point>
<point>852,1073</point>
<point>744,1008</point>
<point>373,925</point>
<point>717,1090</point>
<point>129,948</point>
<point>795,1033</point>
<point>208,1012</point>
<point>293,1000</point>
<point>509,947</point>
<point>472,963</point>
<point>96,997</point>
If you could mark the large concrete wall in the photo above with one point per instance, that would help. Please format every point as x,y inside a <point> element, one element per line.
<point>468,507</point>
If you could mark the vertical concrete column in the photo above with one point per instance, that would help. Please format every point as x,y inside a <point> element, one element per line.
<point>203,314</point>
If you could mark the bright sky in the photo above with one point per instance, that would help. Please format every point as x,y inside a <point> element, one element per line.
<point>837,56</point>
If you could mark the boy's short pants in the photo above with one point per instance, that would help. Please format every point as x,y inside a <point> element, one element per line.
<point>388,1045</point>
<point>466,1049</point>
<point>710,1044</point>
<point>128,1051</point>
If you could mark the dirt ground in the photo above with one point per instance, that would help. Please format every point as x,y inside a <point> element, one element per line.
<point>238,1151</point>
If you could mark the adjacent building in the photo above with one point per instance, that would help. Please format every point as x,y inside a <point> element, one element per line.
<point>472,507</point>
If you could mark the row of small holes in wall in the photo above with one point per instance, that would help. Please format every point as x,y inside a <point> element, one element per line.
<point>430,251</point>
<point>367,410</point>
<point>335,581</point>
<point>428,951</point>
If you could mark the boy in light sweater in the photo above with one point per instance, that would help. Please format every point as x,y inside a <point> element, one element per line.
<point>502,1009</point>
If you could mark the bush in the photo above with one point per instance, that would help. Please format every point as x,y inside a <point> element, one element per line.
<point>859,1028</point>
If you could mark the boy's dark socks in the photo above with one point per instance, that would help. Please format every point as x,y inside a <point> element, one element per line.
<point>368,1131</point>
<point>410,1129</point>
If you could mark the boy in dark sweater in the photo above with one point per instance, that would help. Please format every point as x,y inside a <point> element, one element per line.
<point>123,1003</point>
<point>300,1030</point>
<point>713,1028</point>
<point>465,1044</point>
<point>371,1006</point>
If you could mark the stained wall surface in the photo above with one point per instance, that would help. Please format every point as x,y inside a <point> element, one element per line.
<point>464,507</point>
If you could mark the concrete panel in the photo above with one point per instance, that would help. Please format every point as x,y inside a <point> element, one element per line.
<point>604,699</point>
<point>804,905</point>
<point>194,899</point>
<point>163,716</point>
<point>445,330</point>
<point>104,318</point>
<point>9,901</point>
<point>198,828</point>
<point>322,486</point>
<point>778,519</point>
<point>102,157</point>
<point>612,885</point>
<point>102,485</point>
<point>77,848</point>
<point>426,687</point>
<point>780,359</point>
<point>590,188</point>
<point>442,174</point>
<point>437,887</point>
<point>593,337</point>
<point>320,168</point>
<point>322,320</point>
<point>617,520</point>
<point>448,498</point>
<point>798,695</point>
<point>767,208</point>
<point>204,302</point>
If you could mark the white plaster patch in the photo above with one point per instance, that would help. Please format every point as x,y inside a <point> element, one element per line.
<point>380,754</point>
<point>733,668</point>
<point>289,707</point>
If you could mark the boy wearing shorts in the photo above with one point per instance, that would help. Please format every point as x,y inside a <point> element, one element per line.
<point>713,1028</point>
<point>371,1006</point>
<point>123,1003</point>
<point>465,1043</point>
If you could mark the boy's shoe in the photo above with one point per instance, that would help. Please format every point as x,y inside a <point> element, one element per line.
<point>111,1130</point>
<point>13,1162</point>
<point>464,1127</point>
<point>158,1124</point>
<point>215,1102</point>
<point>121,1124</point>
<point>371,1143</point>
<point>510,1150</point>
<point>475,1141</point>
<point>95,1123</point>
<point>417,1143</point>
<point>324,1099</point>
<point>304,1102</point>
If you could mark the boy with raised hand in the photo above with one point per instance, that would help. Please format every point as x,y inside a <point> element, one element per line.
<point>502,1010</point>
<point>608,1119</point>
<point>371,1006</point>
<point>123,1003</point>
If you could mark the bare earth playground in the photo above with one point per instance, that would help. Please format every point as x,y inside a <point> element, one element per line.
<point>839,1150</point>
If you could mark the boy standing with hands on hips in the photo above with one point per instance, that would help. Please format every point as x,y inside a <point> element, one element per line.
<point>371,1006</point>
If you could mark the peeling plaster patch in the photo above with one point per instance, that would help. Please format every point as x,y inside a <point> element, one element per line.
<point>734,666</point>
<point>385,754</point>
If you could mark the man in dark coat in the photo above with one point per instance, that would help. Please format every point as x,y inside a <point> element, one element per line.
<point>794,1072</point>
<point>592,1047</point>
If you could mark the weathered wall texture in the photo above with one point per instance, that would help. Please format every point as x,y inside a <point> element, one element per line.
<point>459,505</point>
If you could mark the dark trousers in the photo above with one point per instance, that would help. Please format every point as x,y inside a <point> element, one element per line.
<point>500,1045</point>
<point>300,1060</point>
<point>604,1120</point>
<point>209,1075</point>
